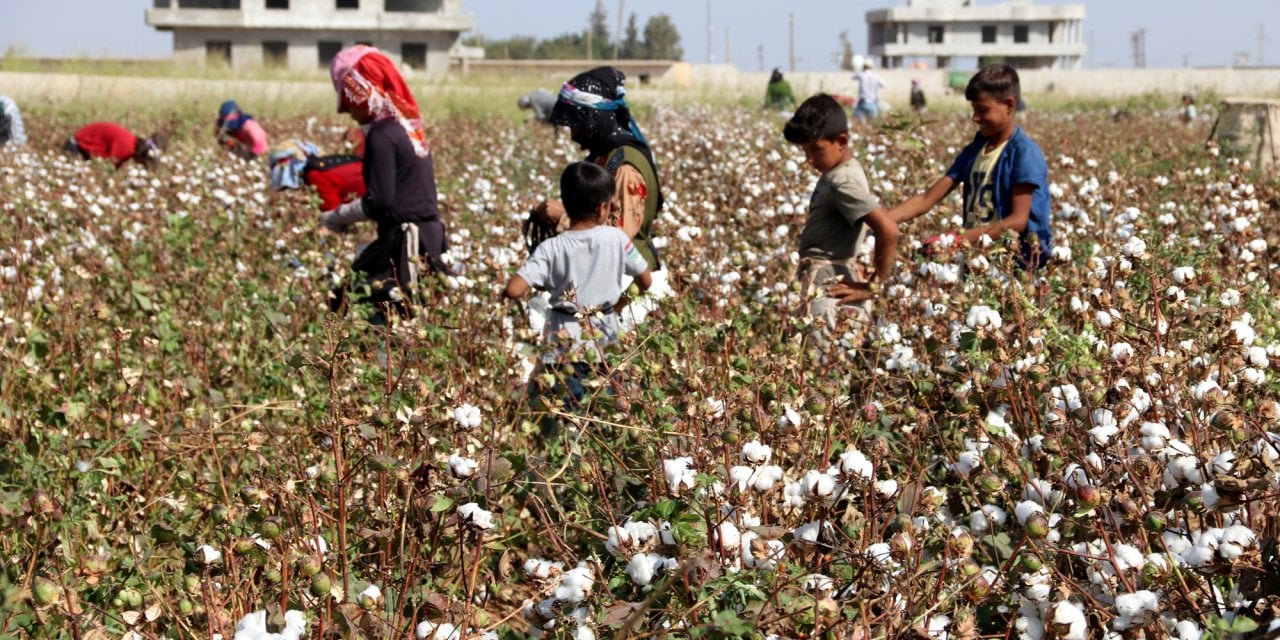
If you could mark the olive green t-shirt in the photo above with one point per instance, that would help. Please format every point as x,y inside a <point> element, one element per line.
<point>839,203</point>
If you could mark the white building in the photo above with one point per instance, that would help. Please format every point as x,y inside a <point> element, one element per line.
<point>1024,35</point>
<point>305,34</point>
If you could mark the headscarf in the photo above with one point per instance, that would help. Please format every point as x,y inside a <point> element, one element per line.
<point>362,75</point>
<point>776,76</point>
<point>596,100</point>
<point>230,118</point>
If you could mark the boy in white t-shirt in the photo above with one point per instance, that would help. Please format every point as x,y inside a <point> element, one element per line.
<point>586,270</point>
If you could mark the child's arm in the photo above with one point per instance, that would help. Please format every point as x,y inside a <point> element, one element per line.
<point>517,287</point>
<point>919,204</point>
<point>886,230</point>
<point>1017,220</point>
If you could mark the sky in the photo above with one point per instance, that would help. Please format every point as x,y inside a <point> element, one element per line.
<point>752,31</point>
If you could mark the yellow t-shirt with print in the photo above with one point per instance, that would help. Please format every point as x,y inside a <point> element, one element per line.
<point>979,202</point>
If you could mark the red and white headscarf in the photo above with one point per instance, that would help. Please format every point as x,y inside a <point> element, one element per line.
<point>362,75</point>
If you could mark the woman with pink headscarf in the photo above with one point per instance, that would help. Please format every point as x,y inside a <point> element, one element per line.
<point>399,175</point>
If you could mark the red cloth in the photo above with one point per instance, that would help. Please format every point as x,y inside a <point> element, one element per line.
<point>107,140</point>
<point>336,185</point>
<point>373,83</point>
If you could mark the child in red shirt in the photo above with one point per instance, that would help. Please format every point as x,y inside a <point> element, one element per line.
<point>110,140</point>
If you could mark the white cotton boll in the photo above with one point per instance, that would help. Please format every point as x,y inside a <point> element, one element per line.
<point>808,533</point>
<point>1223,463</point>
<point>1239,535</point>
<point>1105,427</point>
<point>1183,275</point>
<point>1257,357</point>
<point>618,539</point>
<point>1069,621</point>
<point>714,407</point>
<point>1176,294</point>
<point>427,630</point>
<point>966,462</point>
<point>462,467</point>
<point>1121,352</point>
<point>881,553</point>
<point>1154,436</point>
<point>765,477</point>
<point>254,626</point>
<point>793,495</point>
<point>1135,247</point>
<point>856,465</point>
<point>729,537</point>
<point>1244,334</point>
<point>887,488</point>
<point>471,514</point>
<point>1229,298</point>
<point>540,569</point>
<point>467,416</point>
<point>763,554</point>
<point>1254,377</point>
<point>1204,388</point>
<point>1026,509</point>
<point>987,518</point>
<point>643,567</point>
<point>680,474</point>
<point>207,555</point>
<point>1187,630</point>
<point>818,485</point>
<point>1135,609</point>
<point>983,317</point>
<point>755,453</point>
<point>1037,592</point>
<point>1106,317</point>
<point>818,583</point>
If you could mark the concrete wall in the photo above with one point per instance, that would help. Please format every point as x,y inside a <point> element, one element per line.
<point>1045,84</point>
<point>190,46</point>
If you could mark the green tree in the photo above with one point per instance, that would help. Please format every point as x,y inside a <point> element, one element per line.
<point>563,47</point>
<point>601,46</point>
<point>632,48</point>
<point>845,57</point>
<point>662,39</point>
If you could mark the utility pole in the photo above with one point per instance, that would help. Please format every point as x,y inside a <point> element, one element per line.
<point>760,56</point>
<point>590,44</point>
<point>617,34</point>
<point>1262,45</point>
<point>1139,41</point>
<point>727,50</point>
<point>710,34</point>
<point>791,42</point>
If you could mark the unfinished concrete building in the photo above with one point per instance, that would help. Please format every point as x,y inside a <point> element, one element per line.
<point>305,34</point>
<point>1018,32</point>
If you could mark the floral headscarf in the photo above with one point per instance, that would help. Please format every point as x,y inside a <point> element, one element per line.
<point>362,75</point>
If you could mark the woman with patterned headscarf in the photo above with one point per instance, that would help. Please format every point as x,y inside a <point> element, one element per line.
<point>239,131</point>
<point>593,105</point>
<point>399,177</point>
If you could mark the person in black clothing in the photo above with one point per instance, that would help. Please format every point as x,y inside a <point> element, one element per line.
<point>399,176</point>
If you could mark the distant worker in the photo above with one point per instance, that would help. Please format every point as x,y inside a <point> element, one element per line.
<point>869,85</point>
<point>337,179</point>
<point>1188,114</point>
<point>918,103</point>
<point>110,140</point>
<point>778,95</point>
<point>239,132</point>
<point>11,129</point>
<point>541,101</point>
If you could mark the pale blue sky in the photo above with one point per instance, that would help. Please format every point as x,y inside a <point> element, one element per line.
<point>116,28</point>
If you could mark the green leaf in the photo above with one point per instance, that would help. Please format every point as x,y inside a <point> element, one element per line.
<point>441,503</point>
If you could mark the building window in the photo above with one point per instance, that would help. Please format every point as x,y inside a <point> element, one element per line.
<point>277,4</point>
<point>989,34</point>
<point>217,53</point>
<point>936,32</point>
<point>161,4</point>
<point>347,4</point>
<point>413,6</point>
<point>1020,33</point>
<point>414,55</point>
<point>207,4</point>
<point>275,54</point>
<point>327,50</point>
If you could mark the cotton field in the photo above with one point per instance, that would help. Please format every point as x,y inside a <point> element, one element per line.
<point>194,447</point>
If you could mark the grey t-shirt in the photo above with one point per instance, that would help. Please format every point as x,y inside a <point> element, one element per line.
<point>582,269</point>
<point>840,201</point>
